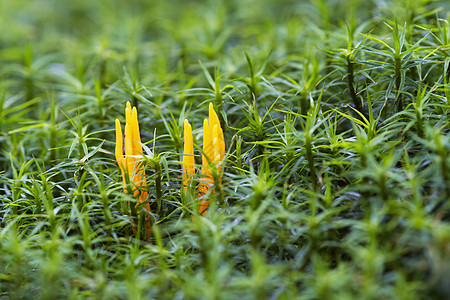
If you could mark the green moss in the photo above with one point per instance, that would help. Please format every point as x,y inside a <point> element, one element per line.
<point>337,176</point>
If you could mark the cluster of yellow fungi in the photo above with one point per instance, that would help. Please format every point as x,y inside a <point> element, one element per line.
<point>132,166</point>
<point>213,154</point>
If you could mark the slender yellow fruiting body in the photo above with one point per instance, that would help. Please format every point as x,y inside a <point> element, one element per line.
<point>136,137</point>
<point>119,149</point>
<point>216,160</point>
<point>214,120</point>
<point>130,165</point>
<point>188,155</point>
<point>213,153</point>
<point>129,152</point>
<point>207,177</point>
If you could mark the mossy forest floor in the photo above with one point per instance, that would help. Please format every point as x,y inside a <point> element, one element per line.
<point>336,181</point>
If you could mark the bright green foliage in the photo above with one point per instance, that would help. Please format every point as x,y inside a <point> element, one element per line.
<point>336,183</point>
